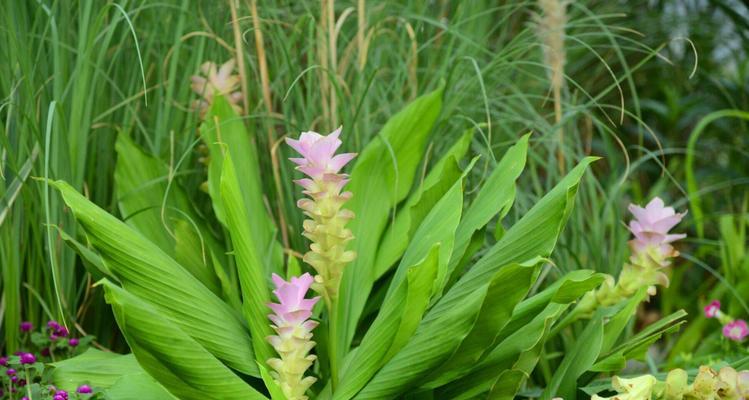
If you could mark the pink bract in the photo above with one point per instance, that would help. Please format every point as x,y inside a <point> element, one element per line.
<point>318,154</point>
<point>652,223</point>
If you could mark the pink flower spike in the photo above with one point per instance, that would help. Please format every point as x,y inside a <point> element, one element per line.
<point>712,309</point>
<point>293,339</point>
<point>736,330</point>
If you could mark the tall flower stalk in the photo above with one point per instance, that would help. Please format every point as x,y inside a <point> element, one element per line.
<point>293,339</point>
<point>652,253</point>
<point>325,227</point>
<point>551,25</point>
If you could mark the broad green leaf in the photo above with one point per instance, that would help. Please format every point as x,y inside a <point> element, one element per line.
<point>170,355</point>
<point>424,352</point>
<point>224,132</point>
<point>421,279</point>
<point>437,227</point>
<point>148,272</point>
<point>636,346</point>
<point>192,252</point>
<point>398,318</point>
<point>533,236</point>
<point>508,287</point>
<point>578,359</point>
<point>253,279</point>
<point>438,181</point>
<point>120,375</point>
<point>495,197</point>
<point>504,356</point>
<point>138,387</point>
<point>95,367</point>
<point>381,178</point>
<point>142,184</point>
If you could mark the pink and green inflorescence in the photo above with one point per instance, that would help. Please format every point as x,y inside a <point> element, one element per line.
<point>293,339</point>
<point>325,227</point>
<point>651,253</point>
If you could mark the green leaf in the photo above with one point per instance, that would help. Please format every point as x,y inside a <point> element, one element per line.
<point>148,272</point>
<point>439,180</point>
<point>138,387</point>
<point>636,346</point>
<point>191,252</point>
<point>95,367</point>
<point>523,341</point>
<point>142,183</point>
<point>224,132</point>
<point>495,197</point>
<point>437,227</point>
<point>170,355</point>
<point>253,279</point>
<point>577,361</point>
<point>425,352</point>
<point>507,288</point>
<point>533,236</point>
<point>398,318</point>
<point>381,178</point>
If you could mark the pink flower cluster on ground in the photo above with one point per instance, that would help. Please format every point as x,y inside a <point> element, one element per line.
<point>736,330</point>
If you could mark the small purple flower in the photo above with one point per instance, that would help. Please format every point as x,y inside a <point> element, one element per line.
<point>53,325</point>
<point>73,342</point>
<point>61,395</point>
<point>26,326</point>
<point>45,352</point>
<point>14,378</point>
<point>28,358</point>
<point>63,332</point>
<point>21,383</point>
<point>736,330</point>
<point>712,309</point>
<point>25,398</point>
<point>84,389</point>
<point>4,361</point>
<point>10,372</point>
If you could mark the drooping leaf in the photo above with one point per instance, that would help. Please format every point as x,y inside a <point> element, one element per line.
<point>146,271</point>
<point>170,355</point>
